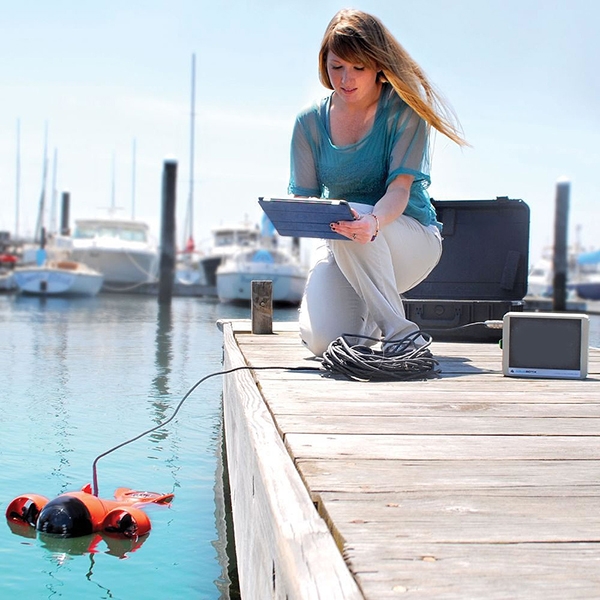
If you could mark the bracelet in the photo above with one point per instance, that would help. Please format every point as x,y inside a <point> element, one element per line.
<point>376,227</point>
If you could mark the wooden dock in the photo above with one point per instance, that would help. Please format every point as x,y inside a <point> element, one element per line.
<point>470,486</point>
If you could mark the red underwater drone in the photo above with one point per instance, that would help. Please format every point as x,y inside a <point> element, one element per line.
<point>80,513</point>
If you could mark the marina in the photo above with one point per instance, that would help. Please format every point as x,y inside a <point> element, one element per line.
<point>471,485</point>
<point>149,308</point>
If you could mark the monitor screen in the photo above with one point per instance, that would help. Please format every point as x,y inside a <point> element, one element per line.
<point>543,343</point>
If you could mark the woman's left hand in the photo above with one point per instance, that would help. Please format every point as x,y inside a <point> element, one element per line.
<point>361,230</point>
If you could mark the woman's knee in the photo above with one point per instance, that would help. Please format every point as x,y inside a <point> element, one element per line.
<point>315,341</point>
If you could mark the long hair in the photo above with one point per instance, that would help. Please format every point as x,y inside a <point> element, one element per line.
<point>361,38</point>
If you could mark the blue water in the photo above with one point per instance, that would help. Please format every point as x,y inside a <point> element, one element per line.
<point>82,375</point>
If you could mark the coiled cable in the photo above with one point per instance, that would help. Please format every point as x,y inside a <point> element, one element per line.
<point>401,359</point>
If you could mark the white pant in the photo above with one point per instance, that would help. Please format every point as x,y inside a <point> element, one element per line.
<point>355,288</point>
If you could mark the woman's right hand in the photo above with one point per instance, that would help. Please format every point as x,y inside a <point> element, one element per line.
<point>361,230</point>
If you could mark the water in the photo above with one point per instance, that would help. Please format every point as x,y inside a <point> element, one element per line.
<point>82,375</point>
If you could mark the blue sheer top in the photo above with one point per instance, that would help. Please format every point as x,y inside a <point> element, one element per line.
<point>397,144</point>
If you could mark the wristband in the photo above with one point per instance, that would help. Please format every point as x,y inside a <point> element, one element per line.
<point>376,227</point>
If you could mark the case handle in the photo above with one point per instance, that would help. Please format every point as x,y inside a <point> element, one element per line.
<point>509,273</point>
<point>433,323</point>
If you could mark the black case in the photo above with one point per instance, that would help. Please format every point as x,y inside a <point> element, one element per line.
<point>482,274</point>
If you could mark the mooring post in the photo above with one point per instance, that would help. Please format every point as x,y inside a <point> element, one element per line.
<point>561,223</point>
<point>262,307</point>
<point>167,234</point>
<point>40,253</point>
<point>64,214</point>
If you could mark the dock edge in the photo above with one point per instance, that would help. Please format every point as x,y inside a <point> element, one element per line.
<point>284,548</point>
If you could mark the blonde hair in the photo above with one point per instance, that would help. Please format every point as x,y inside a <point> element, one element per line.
<point>358,37</point>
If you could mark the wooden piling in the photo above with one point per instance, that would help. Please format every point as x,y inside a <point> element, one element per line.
<point>561,222</point>
<point>167,236</point>
<point>262,307</point>
<point>64,214</point>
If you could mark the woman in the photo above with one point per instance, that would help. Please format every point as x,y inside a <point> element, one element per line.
<point>368,143</point>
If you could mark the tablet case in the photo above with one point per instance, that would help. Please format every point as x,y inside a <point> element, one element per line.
<point>486,251</point>
<point>482,274</point>
<point>301,217</point>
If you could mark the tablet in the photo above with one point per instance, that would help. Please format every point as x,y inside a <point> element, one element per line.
<point>303,217</point>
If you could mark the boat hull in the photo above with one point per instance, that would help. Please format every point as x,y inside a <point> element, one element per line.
<point>42,281</point>
<point>121,268</point>
<point>237,285</point>
<point>7,282</point>
<point>589,291</point>
<point>122,250</point>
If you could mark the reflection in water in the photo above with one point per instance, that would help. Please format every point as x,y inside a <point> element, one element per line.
<point>91,544</point>
<point>162,401</point>
<point>164,350</point>
<point>163,357</point>
<point>62,548</point>
<point>227,583</point>
<point>21,529</point>
<point>50,345</point>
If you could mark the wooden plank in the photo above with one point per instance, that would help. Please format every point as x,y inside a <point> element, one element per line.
<point>443,447</point>
<point>491,571</point>
<point>478,476</point>
<point>454,518</point>
<point>470,424</point>
<point>406,391</point>
<point>479,406</point>
<point>281,542</point>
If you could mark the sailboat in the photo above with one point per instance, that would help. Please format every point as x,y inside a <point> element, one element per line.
<point>58,278</point>
<point>189,270</point>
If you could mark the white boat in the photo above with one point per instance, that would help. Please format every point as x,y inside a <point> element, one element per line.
<point>588,283</point>
<point>583,275</point>
<point>236,273</point>
<point>8,261</point>
<point>227,241</point>
<point>7,280</point>
<point>540,278</point>
<point>122,250</point>
<point>58,278</point>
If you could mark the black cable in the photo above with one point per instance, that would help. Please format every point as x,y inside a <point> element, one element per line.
<point>160,425</point>
<point>491,324</point>
<point>399,359</point>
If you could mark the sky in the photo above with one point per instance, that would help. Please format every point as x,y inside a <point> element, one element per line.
<point>522,77</point>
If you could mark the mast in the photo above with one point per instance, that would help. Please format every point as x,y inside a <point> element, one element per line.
<point>40,218</point>
<point>113,207</point>
<point>18,179</point>
<point>133,181</point>
<point>53,227</point>
<point>188,241</point>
